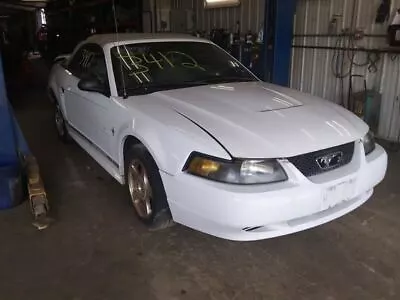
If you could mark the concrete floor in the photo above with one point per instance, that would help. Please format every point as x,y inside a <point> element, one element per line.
<point>98,250</point>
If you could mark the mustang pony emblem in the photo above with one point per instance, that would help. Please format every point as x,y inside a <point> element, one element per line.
<point>329,161</point>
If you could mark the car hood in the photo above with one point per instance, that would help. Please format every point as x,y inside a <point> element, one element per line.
<point>260,120</point>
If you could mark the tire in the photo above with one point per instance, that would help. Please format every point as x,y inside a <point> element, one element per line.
<point>145,188</point>
<point>59,122</point>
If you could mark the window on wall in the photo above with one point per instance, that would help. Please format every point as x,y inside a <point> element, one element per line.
<point>43,20</point>
<point>220,3</point>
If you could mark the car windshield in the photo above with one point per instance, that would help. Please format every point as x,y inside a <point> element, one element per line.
<point>149,67</point>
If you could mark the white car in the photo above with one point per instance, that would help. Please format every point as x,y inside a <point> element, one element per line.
<point>199,140</point>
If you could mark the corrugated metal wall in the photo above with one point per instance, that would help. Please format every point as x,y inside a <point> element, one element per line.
<point>312,68</point>
<point>250,14</point>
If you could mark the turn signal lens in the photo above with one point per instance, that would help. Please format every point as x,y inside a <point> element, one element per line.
<point>369,143</point>
<point>202,166</point>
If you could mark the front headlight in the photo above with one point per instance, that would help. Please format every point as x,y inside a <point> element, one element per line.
<point>237,171</point>
<point>369,143</point>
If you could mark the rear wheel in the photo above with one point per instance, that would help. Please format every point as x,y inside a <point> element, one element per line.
<point>146,189</point>
<point>61,127</point>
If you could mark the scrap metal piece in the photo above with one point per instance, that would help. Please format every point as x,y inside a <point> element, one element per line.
<point>37,195</point>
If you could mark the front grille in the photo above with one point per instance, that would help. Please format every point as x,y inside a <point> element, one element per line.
<point>308,164</point>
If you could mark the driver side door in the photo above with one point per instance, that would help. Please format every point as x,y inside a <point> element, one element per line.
<point>88,112</point>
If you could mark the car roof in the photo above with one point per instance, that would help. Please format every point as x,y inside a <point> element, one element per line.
<point>104,39</point>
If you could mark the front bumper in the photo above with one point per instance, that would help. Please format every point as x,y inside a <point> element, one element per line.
<point>265,211</point>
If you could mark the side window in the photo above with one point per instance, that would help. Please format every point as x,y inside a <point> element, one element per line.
<point>89,61</point>
<point>93,64</point>
<point>74,64</point>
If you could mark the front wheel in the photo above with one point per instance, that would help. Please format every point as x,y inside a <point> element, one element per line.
<point>146,189</point>
<point>61,127</point>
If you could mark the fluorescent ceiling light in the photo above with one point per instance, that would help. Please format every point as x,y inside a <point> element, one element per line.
<point>220,3</point>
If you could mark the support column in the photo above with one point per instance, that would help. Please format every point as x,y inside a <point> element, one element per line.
<point>278,34</point>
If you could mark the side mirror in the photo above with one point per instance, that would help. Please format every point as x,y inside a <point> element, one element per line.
<point>61,58</point>
<point>93,85</point>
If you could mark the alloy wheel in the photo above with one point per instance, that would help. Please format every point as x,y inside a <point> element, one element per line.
<point>140,189</point>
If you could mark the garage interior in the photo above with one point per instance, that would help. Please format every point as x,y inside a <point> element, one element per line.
<point>92,246</point>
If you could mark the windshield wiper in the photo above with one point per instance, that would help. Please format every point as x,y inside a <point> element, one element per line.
<point>227,79</point>
<point>152,87</point>
<point>149,88</point>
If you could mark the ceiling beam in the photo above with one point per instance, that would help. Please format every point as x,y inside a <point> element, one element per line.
<point>18,7</point>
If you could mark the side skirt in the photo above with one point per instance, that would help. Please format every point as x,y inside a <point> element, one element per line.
<point>97,154</point>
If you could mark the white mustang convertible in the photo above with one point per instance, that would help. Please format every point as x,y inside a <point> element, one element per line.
<point>201,141</point>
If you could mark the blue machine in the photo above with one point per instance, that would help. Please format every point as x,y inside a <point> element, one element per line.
<point>12,148</point>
